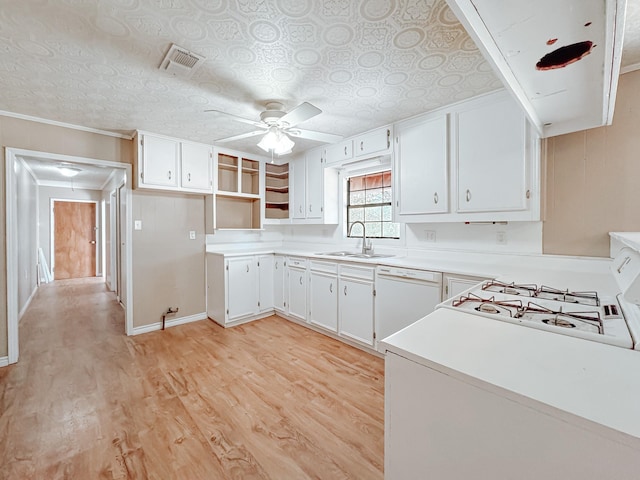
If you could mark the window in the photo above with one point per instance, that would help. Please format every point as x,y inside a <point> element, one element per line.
<point>369,200</point>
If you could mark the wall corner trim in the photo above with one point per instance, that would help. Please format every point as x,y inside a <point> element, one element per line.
<point>169,323</point>
<point>4,362</point>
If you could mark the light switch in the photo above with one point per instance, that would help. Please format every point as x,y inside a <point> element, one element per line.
<point>137,224</point>
<point>192,234</point>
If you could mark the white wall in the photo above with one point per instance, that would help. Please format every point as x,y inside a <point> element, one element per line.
<point>27,219</point>
<point>46,194</point>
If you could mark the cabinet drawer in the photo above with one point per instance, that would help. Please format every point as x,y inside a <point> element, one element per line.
<point>423,275</point>
<point>320,266</point>
<point>366,273</point>
<point>296,262</point>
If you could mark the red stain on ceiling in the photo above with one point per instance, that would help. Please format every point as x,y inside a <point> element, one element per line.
<point>563,56</point>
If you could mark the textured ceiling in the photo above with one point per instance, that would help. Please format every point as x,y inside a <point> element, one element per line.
<point>364,63</point>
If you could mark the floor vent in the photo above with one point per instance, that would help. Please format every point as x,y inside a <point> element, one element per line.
<point>181,62</point>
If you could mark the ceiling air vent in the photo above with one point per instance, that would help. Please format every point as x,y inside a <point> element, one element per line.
<point>181,62</point>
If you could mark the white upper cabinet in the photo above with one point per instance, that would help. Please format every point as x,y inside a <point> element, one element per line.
<point>314,184</point>
<point>421,165</point>
<point>167,163</point>
<point>339,152</point>
<point>158,161</point>
<point>375,142</point>
<point>315,190</point>
<point>491,157</point>
<point>196,166</point>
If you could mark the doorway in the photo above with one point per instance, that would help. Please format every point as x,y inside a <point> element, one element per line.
<point>119,171</point>
<point>74,249</point>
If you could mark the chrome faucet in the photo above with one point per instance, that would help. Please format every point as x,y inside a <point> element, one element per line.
<point>366,249</point>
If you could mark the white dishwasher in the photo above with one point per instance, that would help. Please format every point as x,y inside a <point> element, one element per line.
<point>403,296</point>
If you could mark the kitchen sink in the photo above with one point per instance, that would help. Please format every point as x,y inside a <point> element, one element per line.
<point>343,253</point>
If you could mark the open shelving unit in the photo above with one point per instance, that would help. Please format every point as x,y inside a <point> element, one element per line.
<point>237,198</point>
<point>276,191</point>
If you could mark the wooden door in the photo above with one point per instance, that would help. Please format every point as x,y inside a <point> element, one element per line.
<point>74,239</point>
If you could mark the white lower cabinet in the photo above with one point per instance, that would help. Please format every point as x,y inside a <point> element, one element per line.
<point>323,295</point>
<point>297,283</point>
<point>356,303</point>
<point>239,289</point>
<point>279,290</point>
<point>266,291</point>
<point>454,285</point>
<point>242,287</point>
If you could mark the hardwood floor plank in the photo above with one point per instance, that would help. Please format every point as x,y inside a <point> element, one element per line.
<point>265,400</point>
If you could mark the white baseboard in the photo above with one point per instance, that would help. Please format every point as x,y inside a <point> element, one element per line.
<point>27,303</point>
<point>174,322</point>
<point>4,361</point>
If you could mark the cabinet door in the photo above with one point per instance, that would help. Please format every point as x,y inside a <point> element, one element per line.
<point>323,300</point>
<point>196,167</point>
<point>455,285</point>
<point>491,158</point>
<point>356,310</point>
<point>339,152</point>
<point>373,142</point>
<point>279,290</point>
<point>314,184</point>
<point>159,161</point>
<point>298,293</point>
<point>422,161</point>
<point>299,190</point>
<point>242,288</point>
<point>265,282</point>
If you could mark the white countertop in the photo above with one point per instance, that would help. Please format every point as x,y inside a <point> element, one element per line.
<point>595,382</point>
<point>583,273</point>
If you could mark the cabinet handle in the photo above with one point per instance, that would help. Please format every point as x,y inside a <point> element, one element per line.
<point>169,174</point>
<point>310,208</point>
<point>388,138</point>
<point>528,194</point>
<point>300,209</point>
<point>468,196</point>
<point>345,289</point>
<point>435,198</point>
<point>276,265</point>
<point>247,268</point>
<point>345,150</point>
<point>362,145</point>
<point>331,287</point>
<point>301,280</point>
<point>188,177</point>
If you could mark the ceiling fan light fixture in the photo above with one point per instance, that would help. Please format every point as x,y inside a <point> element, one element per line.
<point>284,145</point>
<point>276,141</point>
<point>270,140</point>
<point>67,171</point>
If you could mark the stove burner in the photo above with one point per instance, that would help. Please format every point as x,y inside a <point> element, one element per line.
<point>558,322</point>
<point>583,298</point>
<point>527,290</point>
<point>487,308</point>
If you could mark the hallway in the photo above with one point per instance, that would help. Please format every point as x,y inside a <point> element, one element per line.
<point>269,399</point>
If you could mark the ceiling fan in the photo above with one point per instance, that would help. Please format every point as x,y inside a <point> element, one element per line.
<point>275,124</point>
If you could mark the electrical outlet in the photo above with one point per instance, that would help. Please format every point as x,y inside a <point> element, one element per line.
<point>430,235</point>
<point>501,238</point>
<point>192,234</point>
<point>137,224</point>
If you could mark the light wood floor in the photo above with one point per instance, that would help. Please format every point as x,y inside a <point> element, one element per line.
<point>270,399</point>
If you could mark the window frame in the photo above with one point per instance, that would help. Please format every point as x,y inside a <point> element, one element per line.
<point>380,169</point>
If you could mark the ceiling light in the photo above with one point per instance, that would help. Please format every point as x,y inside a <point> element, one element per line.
<point>69,171</point>
<point>276,141</point>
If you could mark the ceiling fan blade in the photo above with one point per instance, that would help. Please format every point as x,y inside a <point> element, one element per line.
<point>302,112</point>
<point>317,136</point>
<point>238,119</point>
<point>241,136</point>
